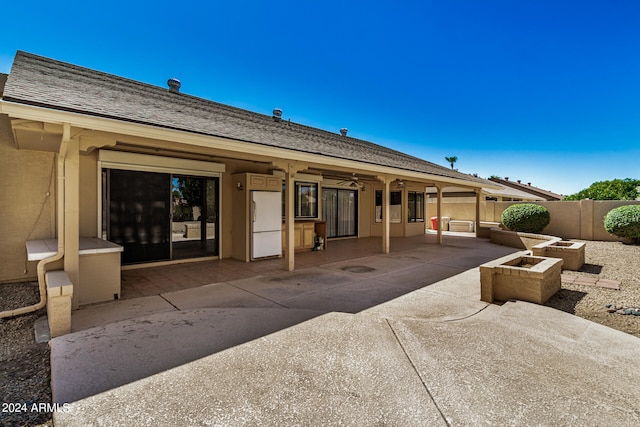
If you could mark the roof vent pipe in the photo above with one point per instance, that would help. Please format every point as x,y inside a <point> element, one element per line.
<point>277,114</point>
<point>344,131</point>
<point>174,85</point>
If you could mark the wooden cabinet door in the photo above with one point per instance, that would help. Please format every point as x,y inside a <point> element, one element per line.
<point>308,232</point>
<point>297,236</point>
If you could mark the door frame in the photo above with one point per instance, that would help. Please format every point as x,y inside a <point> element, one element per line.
<point>356,213</point>
<point>109,159</point>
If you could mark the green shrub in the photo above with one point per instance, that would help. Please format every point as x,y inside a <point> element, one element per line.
<point>624,222</point>
<point>526,217</point>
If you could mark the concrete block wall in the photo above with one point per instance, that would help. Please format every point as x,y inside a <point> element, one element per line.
<point>569,219</point>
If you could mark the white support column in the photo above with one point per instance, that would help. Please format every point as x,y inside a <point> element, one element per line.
<point>289,250</point>
<point>386,210</point>
<point>439,214</point>
<point>72,217</point>
<point>478,197</point>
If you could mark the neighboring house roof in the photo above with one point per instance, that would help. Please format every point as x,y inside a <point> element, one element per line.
<point>498,191</point>
<point>44,82</point>
<point>528,188</point>
<point>511,193</point>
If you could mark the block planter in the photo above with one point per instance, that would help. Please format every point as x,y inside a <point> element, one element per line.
<point>572,253</point>
<point>520,276</point>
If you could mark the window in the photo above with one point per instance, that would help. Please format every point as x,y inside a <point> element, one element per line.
<point>306,195</point>
<point>395,208</point>
<point>416,206</point>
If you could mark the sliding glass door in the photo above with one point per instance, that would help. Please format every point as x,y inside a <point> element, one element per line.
<point>138,214</point>
<point>159,216</point>
<point>340,211</point>
<point>194,219</point>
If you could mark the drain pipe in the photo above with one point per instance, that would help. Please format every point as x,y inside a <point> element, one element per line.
<point>66,136</point>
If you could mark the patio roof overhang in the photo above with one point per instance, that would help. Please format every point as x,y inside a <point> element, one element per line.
<point>97,132</point>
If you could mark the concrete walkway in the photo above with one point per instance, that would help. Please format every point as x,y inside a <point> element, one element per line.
<point>399,339</point>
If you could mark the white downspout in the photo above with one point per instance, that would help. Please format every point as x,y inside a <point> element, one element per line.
<point>66,136</point>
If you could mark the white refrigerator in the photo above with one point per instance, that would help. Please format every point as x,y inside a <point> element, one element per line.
<point>266,224</point>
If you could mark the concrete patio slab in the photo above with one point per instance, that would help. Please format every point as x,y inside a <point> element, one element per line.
<point>102,314</point>
<point>420,275</point>
<point>350,298</point>
<point>99,359</point>
<point>455,298</point>
<point>436,355</point>
<point>282,286</point>
<point>376,265</point>
<point>339,369</point>
<point>506,367</point>
<point>217,295</point>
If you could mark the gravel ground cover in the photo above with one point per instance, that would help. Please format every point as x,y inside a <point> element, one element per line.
<point>25,371</point>
<point>605,260</point>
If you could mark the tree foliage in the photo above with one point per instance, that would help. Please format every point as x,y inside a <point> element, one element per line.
<point>617,189</point>
<point>452,160</point>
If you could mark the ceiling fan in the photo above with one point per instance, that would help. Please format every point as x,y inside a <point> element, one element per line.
<point>352,181</point>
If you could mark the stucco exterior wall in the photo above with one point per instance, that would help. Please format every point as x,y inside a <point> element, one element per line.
<point>569,219</point>
<point>396,229</point>
<point>28,203</point>
<point>89,195</point>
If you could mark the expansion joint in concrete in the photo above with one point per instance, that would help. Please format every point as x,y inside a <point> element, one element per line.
<point>170,303</point>
<point>415,369</point>
<point>259,296</point>
<point>471,315</point>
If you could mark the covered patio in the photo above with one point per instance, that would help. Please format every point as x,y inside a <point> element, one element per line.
<point>429,261</point>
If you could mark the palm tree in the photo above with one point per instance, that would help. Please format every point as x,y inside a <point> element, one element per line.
<point>451,160</point>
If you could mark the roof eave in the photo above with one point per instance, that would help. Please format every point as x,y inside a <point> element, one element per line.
<point>51,115</point>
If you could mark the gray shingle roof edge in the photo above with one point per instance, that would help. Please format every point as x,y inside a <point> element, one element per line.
<point>40,81</point>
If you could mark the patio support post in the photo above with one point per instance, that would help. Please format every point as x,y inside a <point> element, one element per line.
<point>386,210</point>
<point>439,214</point>
<point>478,192</point>
<point>72,216</point>
<point>289,250</point>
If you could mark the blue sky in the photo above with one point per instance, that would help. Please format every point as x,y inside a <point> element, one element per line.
<point>547,92</point>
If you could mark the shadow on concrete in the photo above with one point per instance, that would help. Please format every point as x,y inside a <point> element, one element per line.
<point>125,341</point>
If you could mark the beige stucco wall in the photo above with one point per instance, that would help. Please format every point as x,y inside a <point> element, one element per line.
<point>569,219</point>
<point>396,229</point>
<point>365,210</point>
<point>89,194</point>
<point>28,203</point>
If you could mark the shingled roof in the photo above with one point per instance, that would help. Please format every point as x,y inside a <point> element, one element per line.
<point>39,81</point>
<point>528,188</point>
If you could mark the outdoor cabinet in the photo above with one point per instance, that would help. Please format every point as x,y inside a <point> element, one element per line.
<point>304,234</point>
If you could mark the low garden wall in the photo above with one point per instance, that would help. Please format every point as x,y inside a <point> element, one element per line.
<point>520,240</point>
